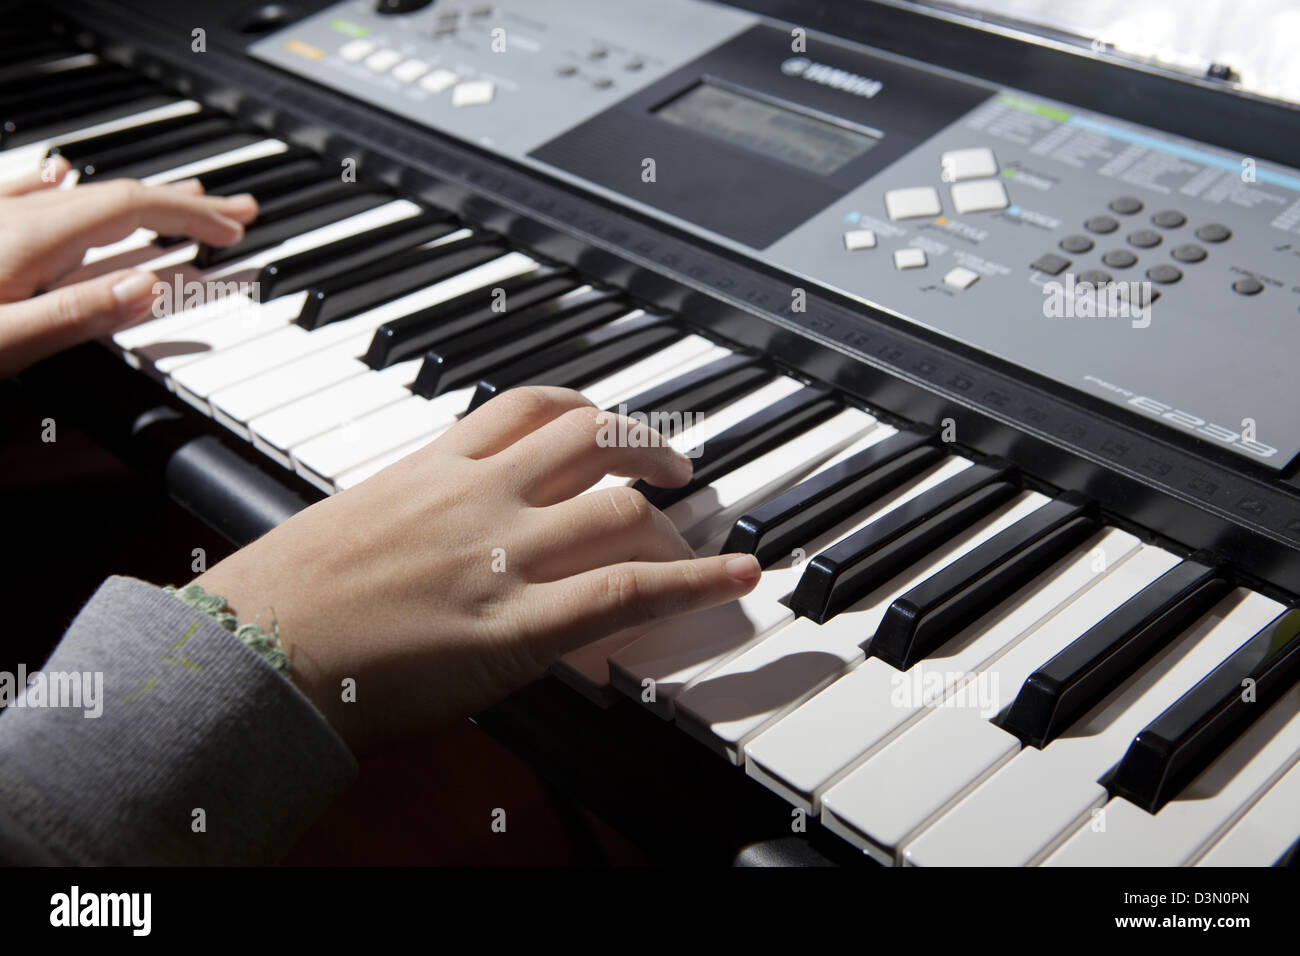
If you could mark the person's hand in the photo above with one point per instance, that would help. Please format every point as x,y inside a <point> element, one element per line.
<point>462,572</point>
<point>46,232</point>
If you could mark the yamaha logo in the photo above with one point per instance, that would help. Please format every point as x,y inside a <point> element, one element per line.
<point>807,69</point>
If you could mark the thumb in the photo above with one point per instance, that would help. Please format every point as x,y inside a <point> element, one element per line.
<point>36,328</point>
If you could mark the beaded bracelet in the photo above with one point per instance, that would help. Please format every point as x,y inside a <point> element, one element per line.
<point>214,605</point>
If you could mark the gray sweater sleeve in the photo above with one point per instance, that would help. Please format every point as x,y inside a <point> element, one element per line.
<point>201,752</point>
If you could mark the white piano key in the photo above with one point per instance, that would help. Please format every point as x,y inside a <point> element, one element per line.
<point>711,510</point>
<point>320,459</point>
<point>229,324</point>
<point>23,159</point>
<point>727,707</point>
<point>586,669</point>
<point>230,366</point>
<point>232,157</point>
<point>947,750</point>
<point>675,654</point>
<point>685,354</point>
<point>814,746</point>
<point>160,329</point>
<point>1264,832</point>
<point>331,408</point>
<point>1024,810</point>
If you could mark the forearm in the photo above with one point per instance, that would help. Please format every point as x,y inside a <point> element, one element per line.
<point>201,752</point>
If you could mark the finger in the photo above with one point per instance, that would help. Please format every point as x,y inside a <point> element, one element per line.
<point>102,213</point>
<point>38,327</point>
<point>47,176</point>
<point>575,611</point>
<point>574,451</point>
<point>500,422</point>
<point>610,526</point>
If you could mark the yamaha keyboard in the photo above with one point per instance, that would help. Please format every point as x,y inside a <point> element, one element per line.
<point>981,345</point>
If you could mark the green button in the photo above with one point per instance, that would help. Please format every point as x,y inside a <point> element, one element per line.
<point>349,28</point>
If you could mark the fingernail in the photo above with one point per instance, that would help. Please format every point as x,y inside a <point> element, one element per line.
<point>134,289</point>
<point>188,183</point>
<point>743,567</point>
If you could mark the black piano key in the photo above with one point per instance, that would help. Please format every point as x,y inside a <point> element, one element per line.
<point>59,119</point>
<point>264,184</point>
<point>26,60</point>
<point>460,361</point>
<point>378,282</point>
<point>929,614</point>
<point>700,390</point>
<point>583,358</point>
<point>79,152</point>
<point>269,186</point>
<point>24,94</point>
<point>856,566</point>
<point>803,512</point>
<point>149,143</point>
<point>747,440</point>
<point>1099,660</point>
<point>242,177</point>
<point>1195,729</point>
<point>297,272</point>
<point>174,159</point>
<point>1291,857</point>
<point>261,235</point>
<point>409,335</point>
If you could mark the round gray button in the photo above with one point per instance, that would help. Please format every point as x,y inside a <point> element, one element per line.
<point>1144,238</point>
<point>633,65</point>
<point>1190,252</point>
<point>1248,286</point>
<point>1119,258</point>
<point>602,82</point>
<point>1213,232</point>
<point>1101,224</point>
<point>1076,244</point>
<point>566,69</point>
<point>1126,205</point>
<point>1169,219</point>
<point>1164,273</point>
<point>598,53</point>
<point>1096,277</point>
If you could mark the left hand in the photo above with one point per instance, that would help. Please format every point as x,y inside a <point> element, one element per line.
<point>45,237</point>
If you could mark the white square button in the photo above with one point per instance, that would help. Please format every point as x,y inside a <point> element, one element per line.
<point>383,60</point>
<point>961,278</point>
<point>354,51</point>
<point>473,93</point>
<point>439,81</point>
<point>959,164</point>
<point>859,239</point>
<point>909,258</point>
<point>410,70</point>
<point>913,202</point>
<point>979,196</point>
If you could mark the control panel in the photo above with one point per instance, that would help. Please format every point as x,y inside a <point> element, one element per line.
<point>1142,268</point>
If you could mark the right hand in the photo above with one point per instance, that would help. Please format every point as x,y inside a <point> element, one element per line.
<point>392,583</point>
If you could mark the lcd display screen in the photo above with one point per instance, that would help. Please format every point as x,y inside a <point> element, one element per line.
<point>788,135</point>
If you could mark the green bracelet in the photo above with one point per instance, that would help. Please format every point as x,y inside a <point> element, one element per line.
<point>214,605</point>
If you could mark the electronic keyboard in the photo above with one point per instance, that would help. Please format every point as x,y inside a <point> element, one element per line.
<point>982,344</point>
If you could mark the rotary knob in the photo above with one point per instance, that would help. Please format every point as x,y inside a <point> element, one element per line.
<point>400,6</point>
